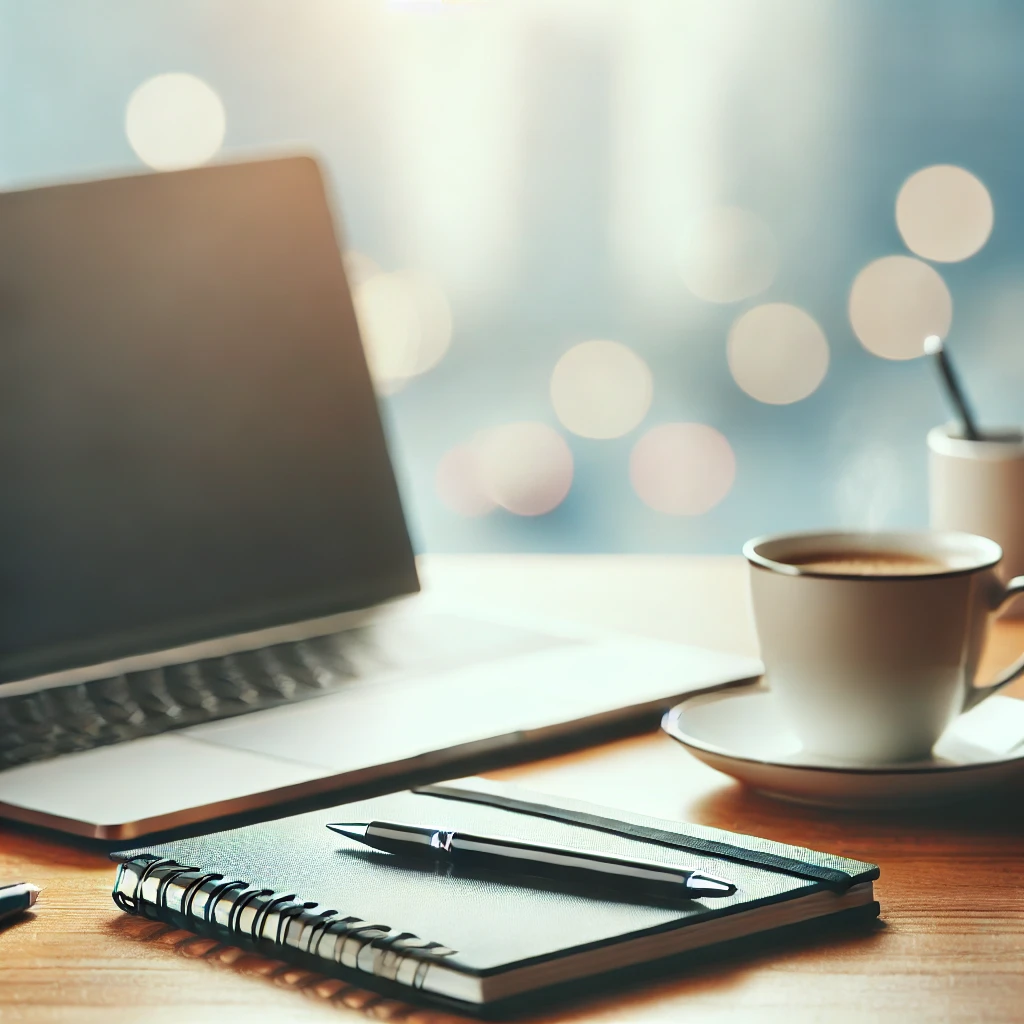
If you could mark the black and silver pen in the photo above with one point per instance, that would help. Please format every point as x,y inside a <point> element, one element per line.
<point>514,856</point>
<point>933,347</point>
<point>16,898</point>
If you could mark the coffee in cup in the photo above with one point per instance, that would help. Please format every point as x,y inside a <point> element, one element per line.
<point>868,563</point>
<point>871,641</point>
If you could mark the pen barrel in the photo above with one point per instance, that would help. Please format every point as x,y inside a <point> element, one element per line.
<point>499,855</point>
<point>566,864</point>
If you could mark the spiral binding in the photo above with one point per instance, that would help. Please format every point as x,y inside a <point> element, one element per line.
<point>359,945</point>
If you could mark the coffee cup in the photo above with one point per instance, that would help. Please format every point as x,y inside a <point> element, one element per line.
<point>871,641</point>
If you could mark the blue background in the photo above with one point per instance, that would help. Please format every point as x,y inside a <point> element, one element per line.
<point>812,115</point>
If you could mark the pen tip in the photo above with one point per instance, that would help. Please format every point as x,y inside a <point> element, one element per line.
<point>700,886</point>
<point>33,893</point>
<point>352,830</point>
<point>932,345</point>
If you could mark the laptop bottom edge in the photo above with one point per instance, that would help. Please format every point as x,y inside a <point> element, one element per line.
<point>330,787</point>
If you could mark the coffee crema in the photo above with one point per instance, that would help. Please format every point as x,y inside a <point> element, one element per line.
<point>868,563</point>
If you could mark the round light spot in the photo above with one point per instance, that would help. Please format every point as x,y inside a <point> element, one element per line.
<point>728,254</point>
<point>601,389</point>
<point>174,120</point>
<point>387,323</point>
<point>777,353</point>
<point>895,303</point>
<point>406,325</point>
<point>359,267</point>
<point>682,469</point>
<point>459,482</point>
<point>944,213</point>
<point>526,468</point>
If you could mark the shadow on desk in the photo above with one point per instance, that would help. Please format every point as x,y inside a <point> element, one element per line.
<point>329,991</point>
<point>24,917</point>
<point>739,809</point>
<point>712,967</point>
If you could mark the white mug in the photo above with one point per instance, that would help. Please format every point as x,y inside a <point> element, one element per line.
<point>871,669</point>
<point>978,487</point>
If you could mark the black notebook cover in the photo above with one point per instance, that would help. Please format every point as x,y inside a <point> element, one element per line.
<point>478,943</point>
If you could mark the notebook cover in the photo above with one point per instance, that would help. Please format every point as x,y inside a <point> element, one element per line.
<point>485,926</point>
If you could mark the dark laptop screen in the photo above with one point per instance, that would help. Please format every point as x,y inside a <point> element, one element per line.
<point>189,440</point>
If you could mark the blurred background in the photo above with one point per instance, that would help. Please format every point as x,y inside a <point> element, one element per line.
<point>632,276</point>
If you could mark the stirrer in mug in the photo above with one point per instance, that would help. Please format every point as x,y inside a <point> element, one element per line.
<point>933,347</point>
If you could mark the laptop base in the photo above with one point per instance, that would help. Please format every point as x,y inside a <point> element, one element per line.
<point>523,688</point>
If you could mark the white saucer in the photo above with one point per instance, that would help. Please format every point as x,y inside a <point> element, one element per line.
<point>741,732</point>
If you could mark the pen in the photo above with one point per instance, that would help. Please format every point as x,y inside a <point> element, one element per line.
<point>517,857</point>
<point>933,347</point>
<point>16,898</point>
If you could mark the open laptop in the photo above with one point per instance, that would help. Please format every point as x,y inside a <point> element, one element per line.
<point>202,545</point>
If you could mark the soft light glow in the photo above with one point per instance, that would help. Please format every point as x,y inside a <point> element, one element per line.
<point>406,325</point>
<point>895,303</point>
<point>944,213</point>
<point>777,353</point>
<point>359,267</point>
<point>175,120</point>
<point>601,389</point>
<point>526,468</point>
<point>446,90</point>
<point>682,469</point>
<point>678,68</point>
<point>387,323</point>
<point>459,482</point>
<point>728,254</point>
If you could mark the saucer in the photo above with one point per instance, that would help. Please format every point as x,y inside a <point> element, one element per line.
<point>741,732</point>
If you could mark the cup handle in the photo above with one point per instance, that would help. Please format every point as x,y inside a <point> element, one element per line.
<point>976,694</point>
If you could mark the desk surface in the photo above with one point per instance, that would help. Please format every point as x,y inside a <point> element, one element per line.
<point>942,954</point>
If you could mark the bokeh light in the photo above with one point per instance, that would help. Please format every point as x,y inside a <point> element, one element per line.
<point>682,469</point>
<point>944,213</point>
<point>459,483</point>
<point>895,303</point>
<point>406,325</point>
<point>728,254</point>
<point>526,468</point>
<point>601,389</point>
<point>359,267</point>
<point>175,120</point>
<point>777,353</point>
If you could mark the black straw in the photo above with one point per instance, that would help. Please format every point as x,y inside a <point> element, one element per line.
<point>933,347</point>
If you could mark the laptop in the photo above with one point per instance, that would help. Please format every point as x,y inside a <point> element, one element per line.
<point>207,587</point>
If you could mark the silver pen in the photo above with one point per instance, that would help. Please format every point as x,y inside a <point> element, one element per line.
<point>513,856</point>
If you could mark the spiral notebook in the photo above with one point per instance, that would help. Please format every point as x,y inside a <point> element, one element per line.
<point>484,945</point>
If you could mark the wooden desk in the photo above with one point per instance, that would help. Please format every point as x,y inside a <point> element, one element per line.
<point>951,948</point>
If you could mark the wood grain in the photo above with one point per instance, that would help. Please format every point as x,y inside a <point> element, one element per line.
<point>951,946</point>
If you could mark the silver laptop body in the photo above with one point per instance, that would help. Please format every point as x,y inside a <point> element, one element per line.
<point>206,581</point>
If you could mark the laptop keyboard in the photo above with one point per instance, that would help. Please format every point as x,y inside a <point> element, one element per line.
<point>47,723</point>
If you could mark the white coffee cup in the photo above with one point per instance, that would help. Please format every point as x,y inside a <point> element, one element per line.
<point>978,486</point>
<point>871,667</point>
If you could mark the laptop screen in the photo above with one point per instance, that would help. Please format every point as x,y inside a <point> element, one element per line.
<point>189,440</point>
